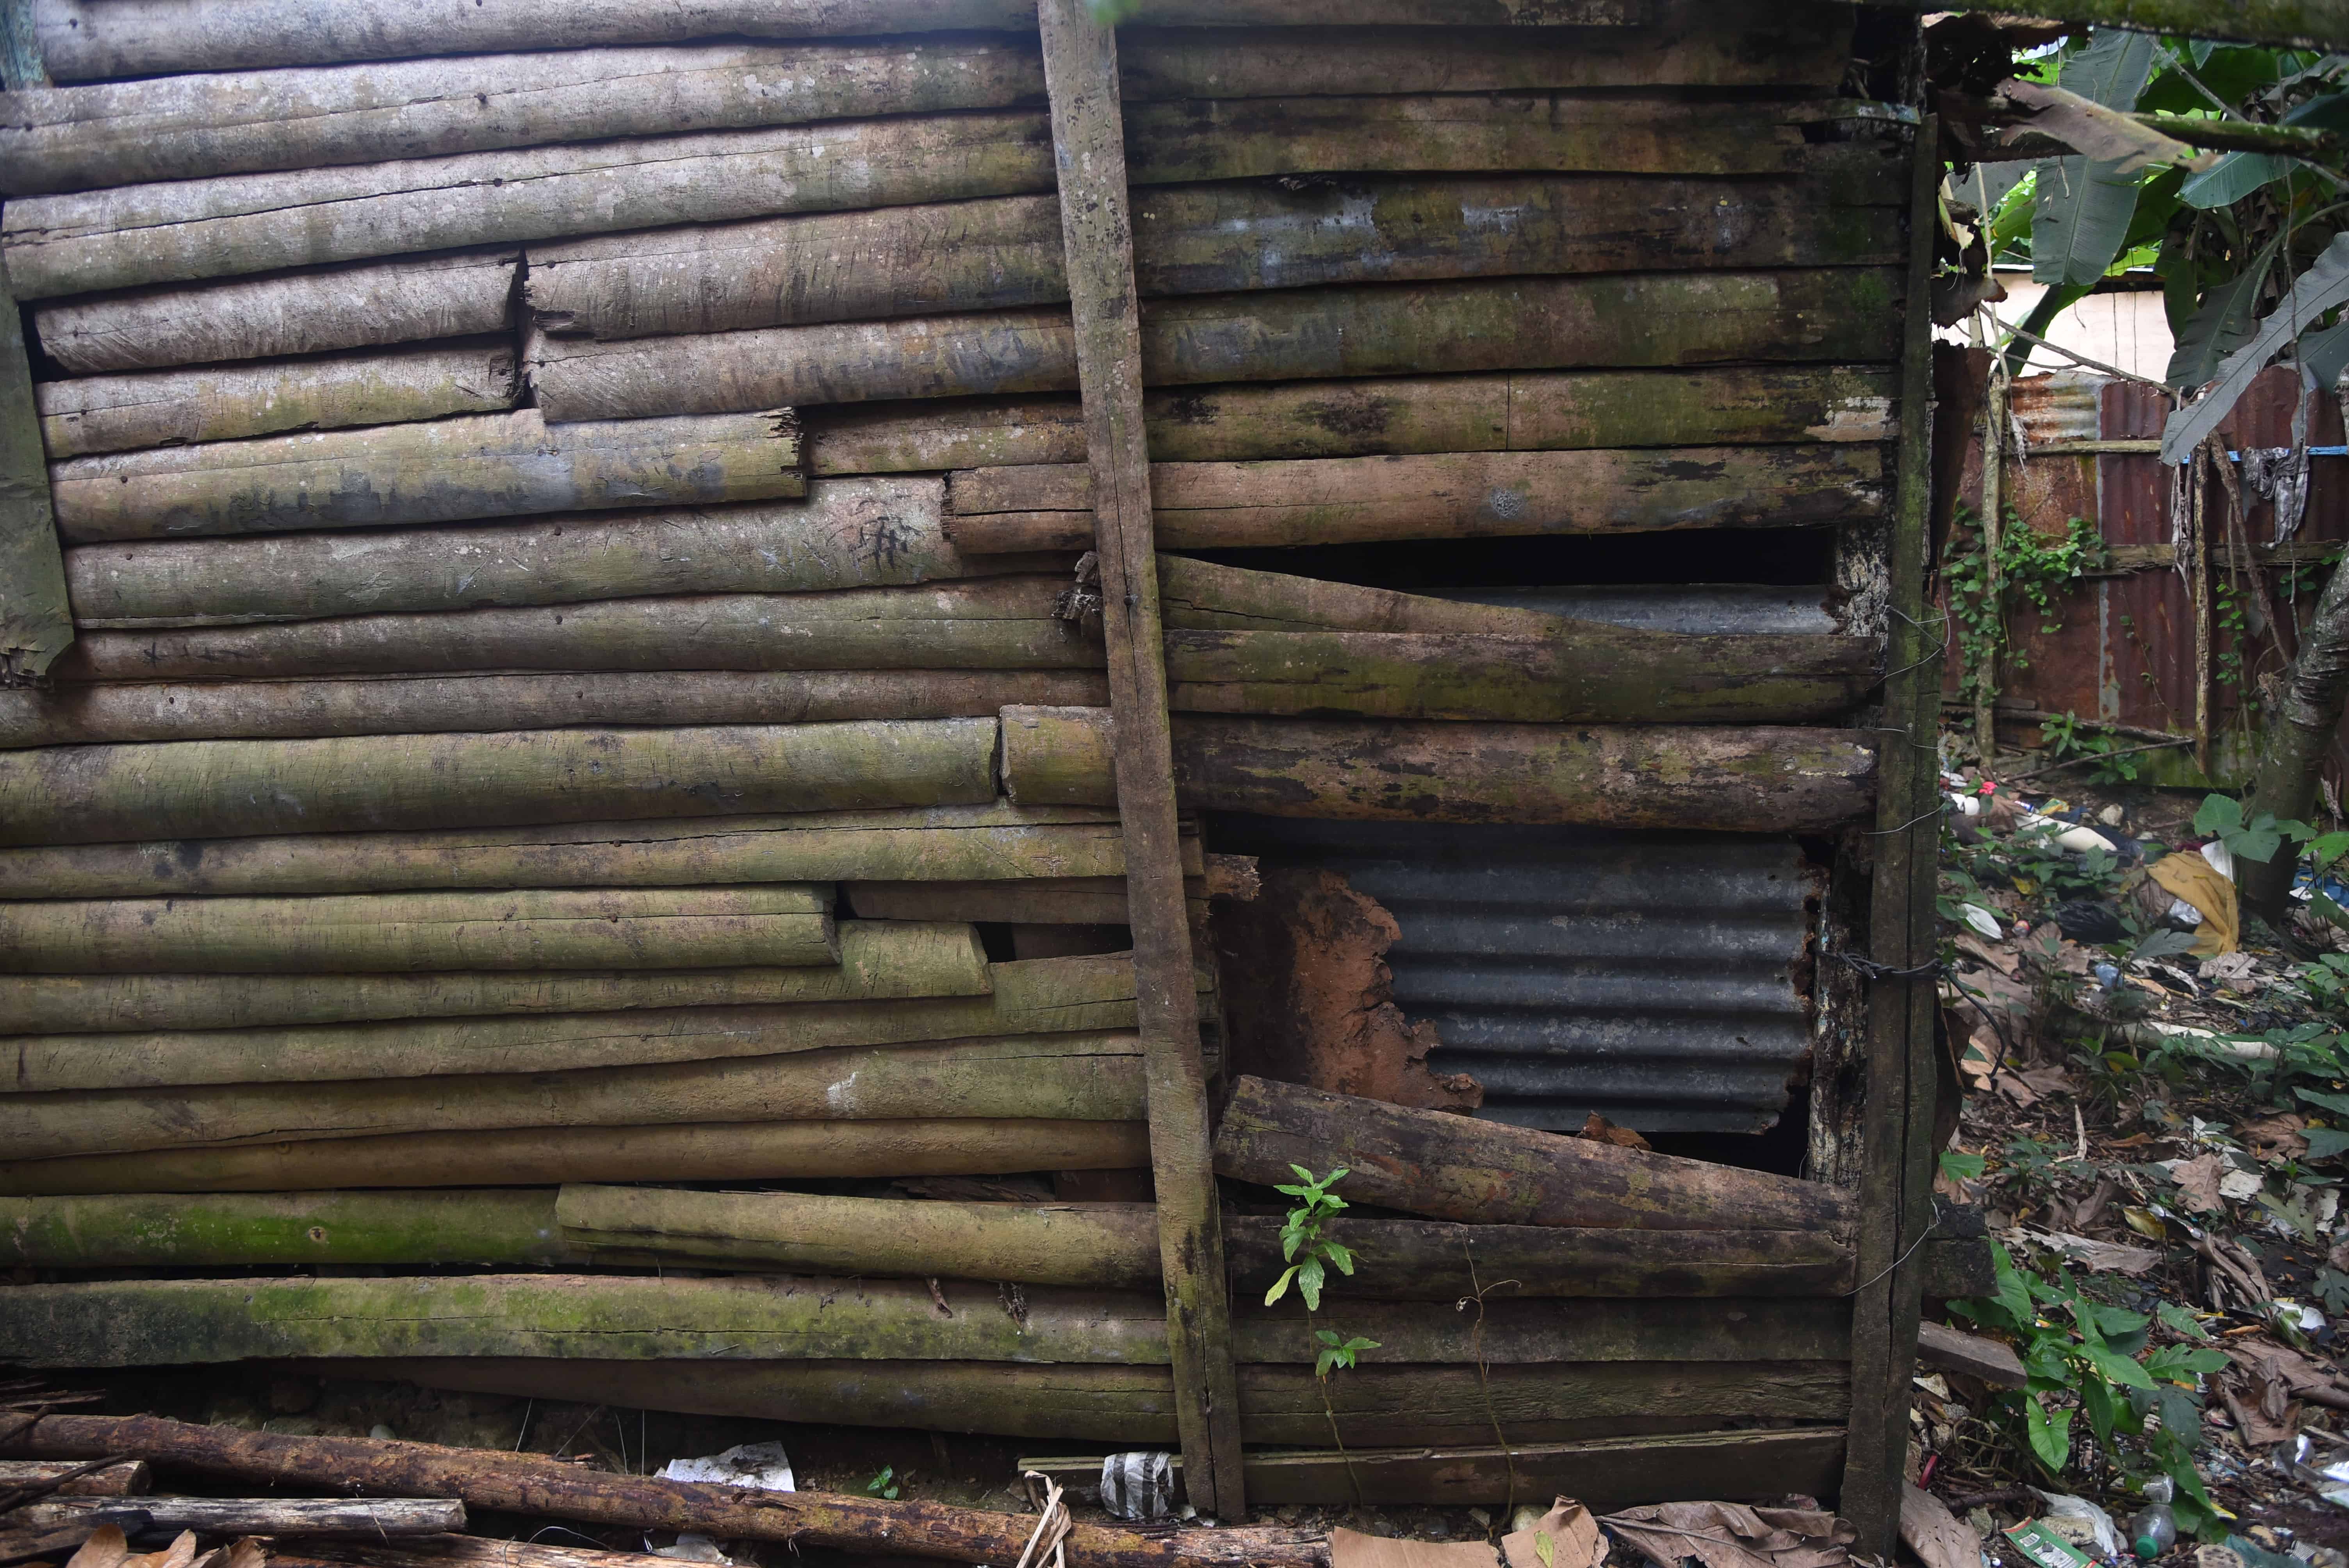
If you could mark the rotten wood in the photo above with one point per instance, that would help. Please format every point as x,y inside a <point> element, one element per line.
<point>127,1478</point>
<point>361,1518</point>
<point>36,616</point>
<point>1954,1350</point>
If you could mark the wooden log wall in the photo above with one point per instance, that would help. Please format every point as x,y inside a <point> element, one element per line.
<point>572,516</point>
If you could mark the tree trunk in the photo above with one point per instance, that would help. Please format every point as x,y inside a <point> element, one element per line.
<point>2293,743</point>
<point>490,1228</point>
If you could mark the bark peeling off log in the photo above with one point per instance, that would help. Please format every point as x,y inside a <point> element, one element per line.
<point>1309,999</point>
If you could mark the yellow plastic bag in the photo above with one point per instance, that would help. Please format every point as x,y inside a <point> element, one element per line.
<point>2188,876</point>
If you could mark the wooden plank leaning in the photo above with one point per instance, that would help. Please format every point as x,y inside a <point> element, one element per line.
<point>35,621</point>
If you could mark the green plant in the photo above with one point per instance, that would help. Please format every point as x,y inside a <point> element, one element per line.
<point>1336,1353</point>
<point>2257,839</point>
<point>884,1483</point>
<point>1309,1253</point>
<point>2032,568</point>
<point>2085,1359</point>
<point>2070,738</point>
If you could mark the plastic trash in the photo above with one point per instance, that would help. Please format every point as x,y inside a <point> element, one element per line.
<point>2081,1522</point>
<point>1139,1484</point>
<point>763,1466</point>
<point>2153,1530</point>
<point>1983,921</point>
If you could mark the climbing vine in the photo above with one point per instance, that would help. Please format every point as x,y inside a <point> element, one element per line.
<point>2032,567</point>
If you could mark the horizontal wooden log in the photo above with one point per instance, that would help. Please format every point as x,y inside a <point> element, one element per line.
<point>1028,901</point>
<point>442,470</point>
<point>112,713</point>
<point>231,402</point>
<point>777,924</point>
<point>126,1479</point>
<point>1627,321</point>
<point>1076,1076</point>
<point>1132,1405</point>
<point>230,788</point>
<point>1426,1260</point>
<point>406,300</point>
<point>1044,996</point>
<point>1759,779</point>
<point>487,1227</point>
<point>1592,672</point>
<point>944,843</point>
<point>986,622</point>
<point>935,434</point>
<point>880,961</point>
<point>546,1486</point>
<point>193,126</point>
<point>1513,1332</point>
<point>174,231</point>
<point>361,1518</point>
<point>709,1151</point>
<point>1463,495</point>
<point>1208,596</point>
<point>1005,251</point>
<point>1484,1172</point>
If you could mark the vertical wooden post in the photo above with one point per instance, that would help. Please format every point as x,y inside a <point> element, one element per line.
<point>1089,151</point>
<point>35,621</point>
<point>20,47</point>
<point>1897,1128</point>
<point>1993,538</point>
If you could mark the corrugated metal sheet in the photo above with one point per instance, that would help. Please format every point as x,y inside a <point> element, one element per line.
<point>1660,980</point>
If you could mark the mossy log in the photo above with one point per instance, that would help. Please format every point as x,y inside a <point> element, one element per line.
<point>1208,596</point>
<point>488,1227</point>
<point>1104,1246</point>
<point>1073,1077</point>
<point>943,843</point>
<point>231,402</point>
<point>1484,1172</point>
<point>880,961</point>
<point>1630,321</point>
<point>1204,239</point>
<point>775,925</point>
<point>986,622</point>
<point>442,470</point>
<point>1042,996</point>
<point>174,231</point>
<point>707,1151</point>
<point>1589,672</point>
<point>1374,1405</point>
<point>547,1487</point>
<point>1457,495</point>
<point>113,713</point>
<point>407,300</point>
<point>229,788</point>
<point>194,126</point>
<point>849,533</point>
<point>935,434</point>
<point>1746,779</point>
<point>1030,900</point>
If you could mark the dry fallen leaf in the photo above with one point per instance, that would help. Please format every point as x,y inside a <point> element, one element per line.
<point>106,1547</point>
<point>2197,1182</point>
<point>2278,1138</point>
<point>1938,1537</point>
<point>2104,134</point>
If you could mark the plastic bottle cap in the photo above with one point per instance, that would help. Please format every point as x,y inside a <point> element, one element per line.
<point>2148,1547</point>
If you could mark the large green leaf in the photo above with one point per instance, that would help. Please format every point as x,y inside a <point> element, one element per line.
<point>2081,210</point>
<point>2324,284</point>
<point>2232,177</point>
<point>2221,324</point>
<point>2326,355</point>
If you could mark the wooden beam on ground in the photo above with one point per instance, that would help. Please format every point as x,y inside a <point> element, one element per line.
<point>1953,1350</point>
<point>35,621</point>
<point>1097,233</point>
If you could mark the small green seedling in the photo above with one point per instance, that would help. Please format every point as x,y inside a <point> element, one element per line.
<point>1309,1253</point>
<point>1338,1353</point>
<point>884,1484</point>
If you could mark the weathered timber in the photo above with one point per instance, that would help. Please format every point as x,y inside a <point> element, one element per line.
<point>229,402</point>
<point>1484,1172</point>
<point>364,1518</point>
<point>1601,1472</point>
<point>987,622</point>
<point>488,1227</point>
<point>1208,596</point>
<point>1758,779</point>
<point>175,231</point>
<point>1627,321</point>
<point>934,434</point>
<point>709,1151</point>
<point>550,1489</point>
<point>1028,901</point>
<point>1512,1332</point>
<point>116,712</point>
<point>1128,1405</point>
<point>450,1552</point>
<point>228,789</point>
<point>161,1323</point>
<point>406,300</point>
<point>1589,672</point>
<point>1465,495</point>
<point>1005,251</point>
<point>441,470</point>
<point>1040,997</point>
<point>1427,1259</point>
<point>1076,1077</point>
<point>944,843</point>
<point>192,127</point>
<point>125,1479</point>
<point>1100,1245</point>
<point>1954,1350</point>
<point>778,924</point>
<point>36,616</point>
<point>845,534</point>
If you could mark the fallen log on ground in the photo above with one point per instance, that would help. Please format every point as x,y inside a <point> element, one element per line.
<point>775,925</point>
<point>1483,1173</point>
<point>175,231</point>
<point>941,844</point>
<point>845,534</point>
<point>361,1518</point>
<point>549,1488</point>
<point>489,1227</point>
<point>1756,779</point>
<point>407,300</point>
<point>441,470</point>
<point>231,402</point>
<point>1626,321</point>
<point>226,788</point>
<point>124,1480</point>
<point>546,1156</point>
